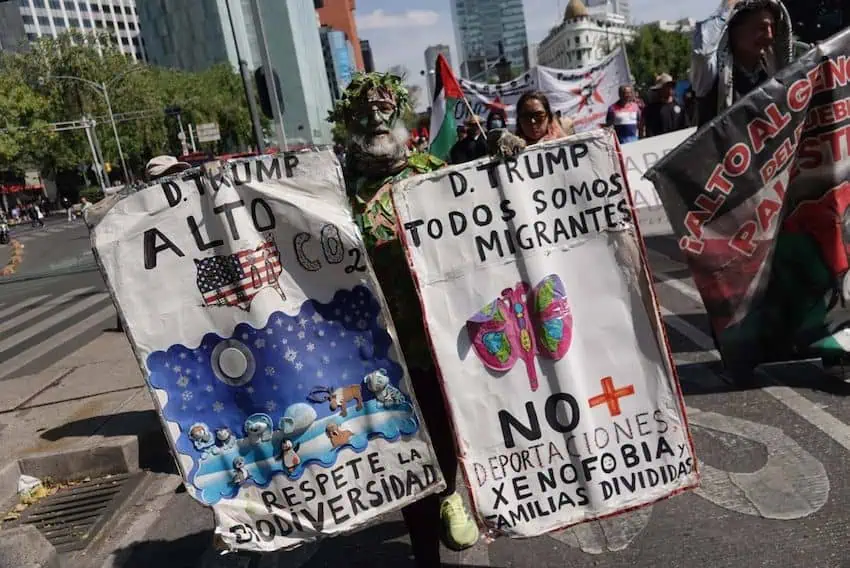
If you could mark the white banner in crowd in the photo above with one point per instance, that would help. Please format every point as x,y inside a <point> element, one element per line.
<point>582,94</point>
<point>639,157</point>
<point>258,324</point>
<point>553,358</point>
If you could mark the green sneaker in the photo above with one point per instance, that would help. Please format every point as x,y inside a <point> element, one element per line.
<point>460,530</point>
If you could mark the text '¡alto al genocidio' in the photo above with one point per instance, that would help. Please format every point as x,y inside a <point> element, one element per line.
<point>588,206</point>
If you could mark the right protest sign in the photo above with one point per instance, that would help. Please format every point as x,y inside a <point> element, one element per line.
<point>760,202</point>
<point>546,331</point>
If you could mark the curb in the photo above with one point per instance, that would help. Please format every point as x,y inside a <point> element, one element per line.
<point>26,547</point>
<point>15,261</point>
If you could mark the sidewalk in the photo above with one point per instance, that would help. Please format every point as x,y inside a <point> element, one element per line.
<point>87,415</point>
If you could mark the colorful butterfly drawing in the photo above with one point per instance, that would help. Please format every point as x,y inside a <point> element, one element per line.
<point>507,330</point>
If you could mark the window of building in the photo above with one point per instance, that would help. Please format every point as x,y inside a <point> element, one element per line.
<point>87,24</point>
<point>136,41</point>
<point>69,5</point>
<point>128,10</point>
<point>105,8</point>
<point>94,7</point>
<point>59,23</point>
<point>32,37</point>
<point>74,22</point>
<point>98,23</point>
<point>43,20</point>
<point>125,41</point>
<point>28,20</point>
<point>132,25</point>
<point>121,25</point>
<point>38,3</point>
<point>55,4</point>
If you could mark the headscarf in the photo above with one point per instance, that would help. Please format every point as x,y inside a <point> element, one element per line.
<point>780,57</point>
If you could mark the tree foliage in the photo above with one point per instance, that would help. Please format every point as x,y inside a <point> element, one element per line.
<point>34,94</point>
<point>655,51</point>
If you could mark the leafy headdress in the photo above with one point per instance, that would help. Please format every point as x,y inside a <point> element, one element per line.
<point>348,109</point>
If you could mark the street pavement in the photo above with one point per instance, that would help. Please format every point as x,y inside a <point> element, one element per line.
<point>774,456</point>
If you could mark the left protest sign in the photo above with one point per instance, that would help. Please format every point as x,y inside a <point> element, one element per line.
<point>263,336</point>
<point>551,350</point>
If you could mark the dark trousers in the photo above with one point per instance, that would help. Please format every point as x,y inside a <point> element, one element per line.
<point>423,517</point>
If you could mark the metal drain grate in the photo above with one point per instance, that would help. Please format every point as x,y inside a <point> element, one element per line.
<point>71,517</point>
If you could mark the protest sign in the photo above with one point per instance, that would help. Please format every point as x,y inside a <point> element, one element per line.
<point>582,94</point>
<point>639,157</point>
<point>759,200</point>
<point>546,331</point>
<point>263,336</point>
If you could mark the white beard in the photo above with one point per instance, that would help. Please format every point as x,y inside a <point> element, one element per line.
<point>387,148</point>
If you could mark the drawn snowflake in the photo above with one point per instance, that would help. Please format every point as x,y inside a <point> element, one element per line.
<point>178,370</point>
<point>362,324</point>
<point>250,390</point>
<point>317,318</point>
<point>320,373</point>
<point>278,322</point>
<point>342,333</point>
<point>167,365</point>
<point>270,371</point>
<point>347,319</point>
<point>188,372</point>
<point>184,408</point>
<point>337,312</point>
<point>290,328</point>
<point>362,302</point>
<point>311,347</point>
<point>299,366</point>
<point>245,336</point>
<point>321,333</point>
<point>274,387</point>
<point>187,395</point>
<point>269,331</point>
<point>209,388</point>
<point>359,341</point>
<point>326,359</point>
<point>271,405</point>
<point>183,355</point>
<point>274,346</point>
<point>344,375</point>
<point>284,341</point>
<point>183,382</point>
<point>200,359</point>
<point>302,322</point>
<point>301,335</point>
<point>217,406</point>
<point>291,355</point>
<point>260,343</point>
<point>333,343</point>
<point>299,386</point>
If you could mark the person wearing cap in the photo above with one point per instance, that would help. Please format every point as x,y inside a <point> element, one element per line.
<point>472,147</point>
<point>665,114</point>
<point>162,166</point>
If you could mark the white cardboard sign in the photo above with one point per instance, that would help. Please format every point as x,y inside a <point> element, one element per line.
<point>545,327</point>
<point>262,333</point>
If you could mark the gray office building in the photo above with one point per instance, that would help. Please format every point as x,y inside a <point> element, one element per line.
<point>196,35</point>
<point>619,7</point>
<point>25,21</point>
<point>483,28</point>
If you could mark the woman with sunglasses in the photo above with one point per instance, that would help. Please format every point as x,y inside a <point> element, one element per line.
<point>535,123</point>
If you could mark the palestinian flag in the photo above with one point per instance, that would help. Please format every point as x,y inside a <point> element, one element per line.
<point>447,95</point>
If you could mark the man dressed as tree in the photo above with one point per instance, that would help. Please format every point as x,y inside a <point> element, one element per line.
<point>376,157</point>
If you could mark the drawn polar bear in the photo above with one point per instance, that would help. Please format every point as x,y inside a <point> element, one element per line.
<point>379,384</point>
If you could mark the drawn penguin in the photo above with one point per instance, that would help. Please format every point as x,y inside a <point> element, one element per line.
<point>240,472</point>
<point>289,455</point>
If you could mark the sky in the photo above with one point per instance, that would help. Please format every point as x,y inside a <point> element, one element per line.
<point>400,30</point>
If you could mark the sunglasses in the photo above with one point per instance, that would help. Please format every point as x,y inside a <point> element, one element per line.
<point>539,116</point>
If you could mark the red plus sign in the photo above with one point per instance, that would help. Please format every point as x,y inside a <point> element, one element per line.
<point>610,396</point>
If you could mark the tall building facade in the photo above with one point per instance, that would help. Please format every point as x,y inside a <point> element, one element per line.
<point>431,55</point>
<point>485,28</point>
<point>23,21</point>
<point>340,61</point>
<point>583,38</point>
<point>339,15</point>
<point>368,56</point>
<point>195,35</point>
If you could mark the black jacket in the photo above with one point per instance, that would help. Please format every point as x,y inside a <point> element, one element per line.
<point>468,150</point>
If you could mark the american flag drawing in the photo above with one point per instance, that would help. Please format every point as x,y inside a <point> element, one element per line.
<point>234,280</point>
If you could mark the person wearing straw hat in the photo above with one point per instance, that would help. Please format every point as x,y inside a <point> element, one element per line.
<point>370,112</point>
<point>664,114</point>
<point>472,146</point>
